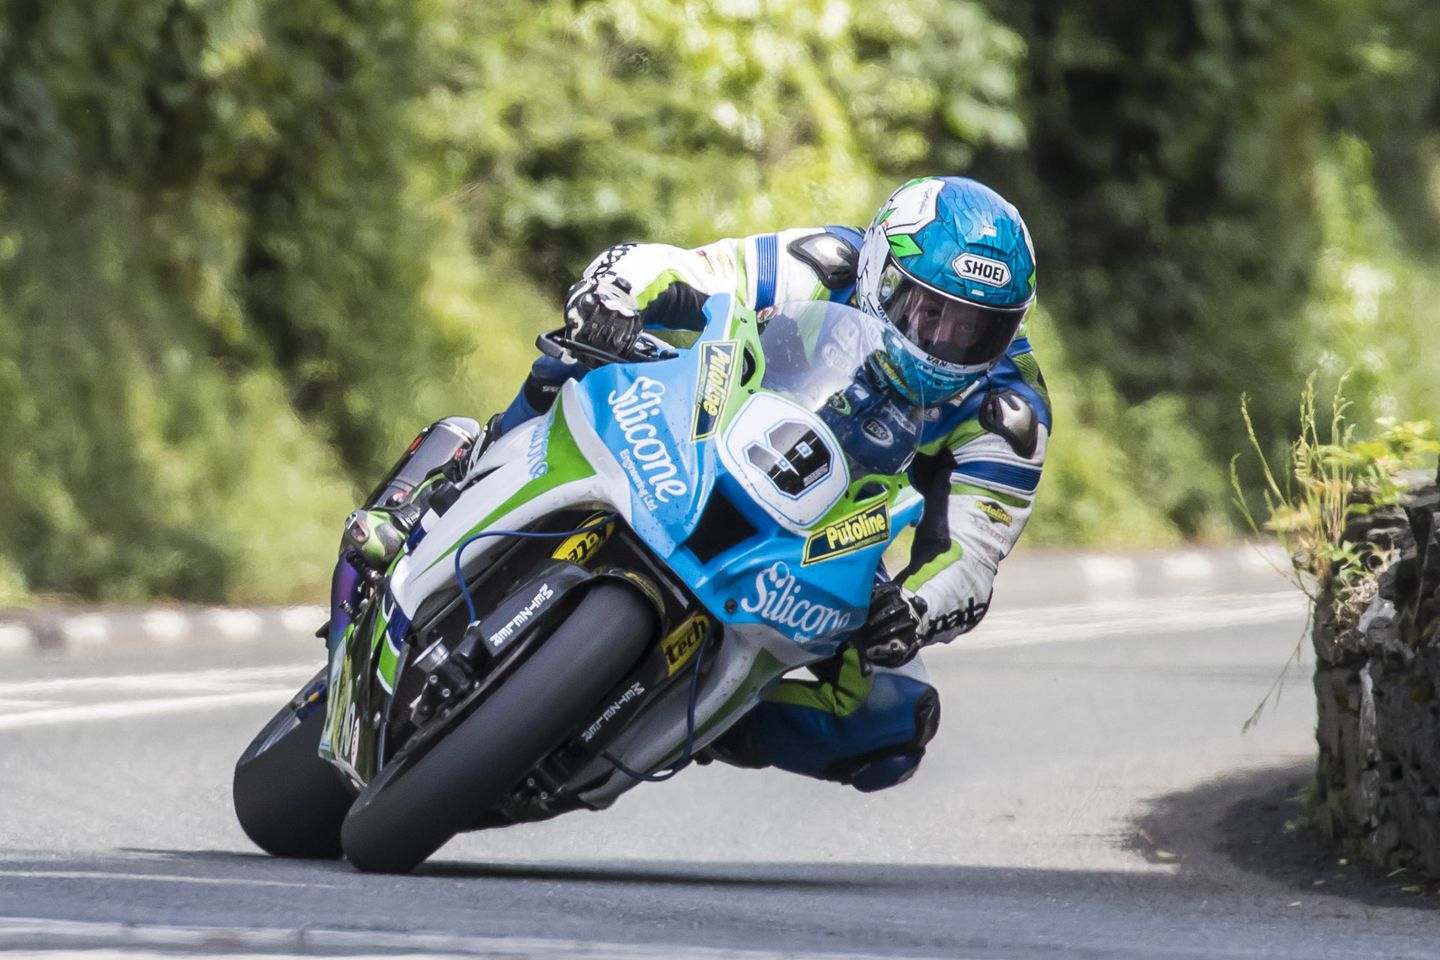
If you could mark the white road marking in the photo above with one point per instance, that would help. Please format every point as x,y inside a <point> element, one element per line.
<point>156,878</point>
<point>1016,628</point>
<point>306,619</point>
<point>130,941</point>
<point>233,624</point>
<point>125,709</point>
<point>1187,566</point>
<point>200,680</point>
<point>1109,573</point>
<point>37,703</point>
<point>29,704</point>
<point>166,626</point>
<point>15,639</point>
<point>86,630</point>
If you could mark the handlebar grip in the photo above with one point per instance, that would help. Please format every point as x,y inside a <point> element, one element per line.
<point>555,344</point>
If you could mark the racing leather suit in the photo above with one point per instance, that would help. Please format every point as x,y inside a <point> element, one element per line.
<point>978,466</point>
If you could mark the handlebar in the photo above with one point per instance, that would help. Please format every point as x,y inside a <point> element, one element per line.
<point>646,349</point>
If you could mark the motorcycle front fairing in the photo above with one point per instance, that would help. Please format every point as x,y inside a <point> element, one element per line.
<point>728,466</point>
<point>776,524</point>
<point>736,482</point>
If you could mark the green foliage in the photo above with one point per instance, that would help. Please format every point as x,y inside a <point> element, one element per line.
<point>216,240</point>
<point>1329,479</point>
<point>583,124</point>
<point>1166,182</point>
<point>1388,81</point>
<point>137,464</point>
<point>1085,494</point>
<point>1374,301</point>
<point>1142,479</point>
<point>248,246</point>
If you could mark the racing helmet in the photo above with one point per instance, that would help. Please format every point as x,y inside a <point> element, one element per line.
<point>948,266</point>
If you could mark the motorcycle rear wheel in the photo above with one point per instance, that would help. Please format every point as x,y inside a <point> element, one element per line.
<point>288,800</point>
<point>411,809</point>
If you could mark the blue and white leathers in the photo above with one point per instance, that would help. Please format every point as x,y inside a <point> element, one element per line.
<point>760,465</point>
<point>850,724</point>
<point>978,485</point>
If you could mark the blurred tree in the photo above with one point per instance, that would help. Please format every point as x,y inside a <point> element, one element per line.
<point>580,124</point>
<point>1168,180</point>
<point>1388,79</point>
<point>246,246</point>
<point>216,216</point>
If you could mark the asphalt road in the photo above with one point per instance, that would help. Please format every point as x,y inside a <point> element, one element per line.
<point>1090,794</point>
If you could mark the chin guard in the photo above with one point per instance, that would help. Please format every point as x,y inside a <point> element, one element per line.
<point>1008,414</point>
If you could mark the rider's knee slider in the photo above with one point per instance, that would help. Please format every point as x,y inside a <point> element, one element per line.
<point>891,765</point>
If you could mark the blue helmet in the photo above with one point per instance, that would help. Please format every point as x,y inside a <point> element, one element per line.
<point>948,265</point>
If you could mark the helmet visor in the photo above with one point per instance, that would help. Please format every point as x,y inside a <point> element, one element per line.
<point>949,329</point>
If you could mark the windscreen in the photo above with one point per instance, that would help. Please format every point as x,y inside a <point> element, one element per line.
<point>825,357</point>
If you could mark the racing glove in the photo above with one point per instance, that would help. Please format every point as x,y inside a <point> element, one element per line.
<point>891,635</point>
<point>601,312</point>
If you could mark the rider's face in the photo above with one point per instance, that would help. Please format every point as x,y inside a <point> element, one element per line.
<point>946,327</point>
<point>931,321</point>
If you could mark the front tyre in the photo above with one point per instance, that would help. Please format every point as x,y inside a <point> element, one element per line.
<point>287,799</point>
<point>410,810</point>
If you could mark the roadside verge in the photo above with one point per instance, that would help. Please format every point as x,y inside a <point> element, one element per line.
<point>1028,580</point>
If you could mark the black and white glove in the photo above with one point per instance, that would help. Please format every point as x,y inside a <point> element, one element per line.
<point>601,312</point>
<point>891,635</point>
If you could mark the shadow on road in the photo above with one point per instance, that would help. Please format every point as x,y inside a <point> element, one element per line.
<point>1202,906</point>
<point>698,875</point>
<point>803,876</point>
<point>1255,821</point>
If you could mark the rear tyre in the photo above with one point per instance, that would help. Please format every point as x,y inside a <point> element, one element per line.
<point>290,802</point>
<point>411,809</point>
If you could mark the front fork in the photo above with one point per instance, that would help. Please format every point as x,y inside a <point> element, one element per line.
<point>346,584</point>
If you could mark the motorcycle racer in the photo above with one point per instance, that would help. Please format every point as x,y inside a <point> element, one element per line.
<point>948,266</point>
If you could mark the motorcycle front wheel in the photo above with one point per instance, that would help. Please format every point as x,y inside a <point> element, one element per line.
<point>412,808</point>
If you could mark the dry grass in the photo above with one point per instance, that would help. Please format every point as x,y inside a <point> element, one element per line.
<point>1329,481</point>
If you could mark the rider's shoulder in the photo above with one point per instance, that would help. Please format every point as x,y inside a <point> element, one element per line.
<point>1016,376</point>
<point>832,252</point>
<point>1019,372</point>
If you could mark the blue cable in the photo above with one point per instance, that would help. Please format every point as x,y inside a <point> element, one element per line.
<point>686,756</point>
<point>528,534</point>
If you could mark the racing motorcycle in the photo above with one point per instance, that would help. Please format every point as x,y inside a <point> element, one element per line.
<point>600,594</point>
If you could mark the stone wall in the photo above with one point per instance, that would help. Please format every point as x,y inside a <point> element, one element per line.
<point>1377,682</point>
